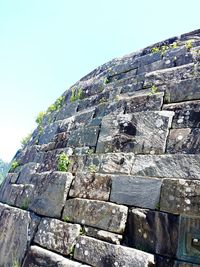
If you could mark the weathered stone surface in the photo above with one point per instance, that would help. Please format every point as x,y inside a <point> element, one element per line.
<point>26,172</point>
<point>103,235</point>
<point>153,231</point>
<point>67,111</point>
<point>180,196</point>
<point>91,185</point>
<point>50,192</point>
<point>166,262</point>
<point>144,132</point>
<point>184,141</point>
<point>187,114</point>
<point>189,236</point>
<point>144,102</point>
<point>17,230</point>
<point>167,166</point>
<point>160,64</point>
<point>130,190</point>
<point>56,235</point>
<point>100,214</point>
<point>40,257</point>
<point>99,254</point>
<point>48,133</point>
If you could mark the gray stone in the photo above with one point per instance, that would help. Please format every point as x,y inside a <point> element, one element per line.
<point>95,213</point>
<point>17,230</point>
<point>57,236</point>
<point>91,185</point>
<point>103,235</point>
<point>99,254</point>
<point>67,111</point>
<point>167,166</point>
<point>93,101</point>
<point>184,141</point>
<point>40,257</point>
<point>136,191</point>
<point>152,231</point>
<point>157,65</point>
<point>26,172</point>
<point>48,133</point>
<point>187,114</point>
<point>144,132</point>
<point>180,196</point>
<point>51,190</point>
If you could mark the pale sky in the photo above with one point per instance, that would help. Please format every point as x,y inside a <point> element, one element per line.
<point>47,45</point>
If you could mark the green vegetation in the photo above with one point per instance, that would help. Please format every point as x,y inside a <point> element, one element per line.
<point>15,263</point>
<point>25,204</point>
<point>154,89</point>
<point>71,253</point>
<point>76,95</point>
<point>66,219</point>
<point>162,49</point>
<point>25,140</point>
<point>82,231</point>
<point>106,80</point>
<point>57,105</point>
<point>92,168</point>
<point>14,165</point>
<point>188,45</point>
<point>40,117</point>
<point>63,162</point>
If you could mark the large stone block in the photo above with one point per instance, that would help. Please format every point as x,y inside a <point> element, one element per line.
<point>136,191</point>
<point>187,114</point>
<point>57,236</point>
<point>144,132</point>
<point>180,196</point>
<point>167,166</point>
<point>91,185</point>
<point>152,231</point>
<point>100,214</point>
<point>50,193</point>
<point>40,257</point>
<point>100,254</point>
<point>26,172</point>
<point>17,231</point>
<point>185,140</point>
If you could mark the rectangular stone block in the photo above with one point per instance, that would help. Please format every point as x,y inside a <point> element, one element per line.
<point>180,196</point>
<point>26,172</point>
<point>136,191</point>
<point>187,114</point>
<point>40,257</point>
<point>99,253</point>
<point>56,235</point>
<point>153,231</point>
<point>91,186</point>
<point>184,140</point>
<point>95,213</point>
<point>51,190</point>
<point>144,132</point>
<point>17,231</point>
<point>167,166</point>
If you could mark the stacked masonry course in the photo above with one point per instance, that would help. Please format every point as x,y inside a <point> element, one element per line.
<point>131,195</point>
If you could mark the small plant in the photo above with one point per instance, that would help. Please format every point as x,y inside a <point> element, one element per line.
<point>14,165</point>
<point>40,117</point>
<point>163,49</point>
<point>106,80</point>
<point>174,45</point>
<point>57,105</point>
<point>117,98</point>
<point>188,45</point>
<point>25,204</point>
<point>73,96</point>
<point>90,151</point>
<point>92,168</point>
<point>15,263</point>
<point>79,94</point>
<point>66,219</point>
<point>25,140</point>
<point>71,252</point>
<point>82,231</point>
<point>155,50</point>
<point>157,206</point>
<point>63,162</point>
<point>154,89</point>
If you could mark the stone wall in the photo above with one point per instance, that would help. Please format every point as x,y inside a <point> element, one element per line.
<point>111,175</point>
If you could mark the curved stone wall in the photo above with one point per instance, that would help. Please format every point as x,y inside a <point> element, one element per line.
<point>111,175</point>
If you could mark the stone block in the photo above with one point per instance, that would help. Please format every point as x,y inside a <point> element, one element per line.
<point>99,253</point>
<point>144,132</point>
<point>17,231</point>
<point>26,172</point>
<point>136,191</point>
<point>152,231</point>
<point>91,186</point>
<point>57,236</point>
<point>180,196</point>
<point>48,133</point>
<point>95,213</point>
<point>167,166</point>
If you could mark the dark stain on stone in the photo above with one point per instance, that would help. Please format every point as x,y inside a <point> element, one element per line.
<point>127,128</point>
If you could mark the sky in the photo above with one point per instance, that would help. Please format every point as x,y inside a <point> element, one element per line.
<point>47,45</point>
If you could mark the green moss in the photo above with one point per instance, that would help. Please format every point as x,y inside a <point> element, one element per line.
<point>63,162</point>
<point>14,165</point>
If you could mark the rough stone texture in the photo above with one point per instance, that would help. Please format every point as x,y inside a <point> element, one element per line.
<point>144,132</point>
<point>56,235</point>
<point>180,196</point>
<point>17,230</point>
<point>110,255</point>
<point>39,257</point>
<point>153,231</point>
<point>50,193</point>
<point>130,130</point>
<point>91,185</point>
<point>133,191</point>
<point>103,215</point>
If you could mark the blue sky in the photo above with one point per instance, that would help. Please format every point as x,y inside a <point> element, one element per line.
<point>47,45</point>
